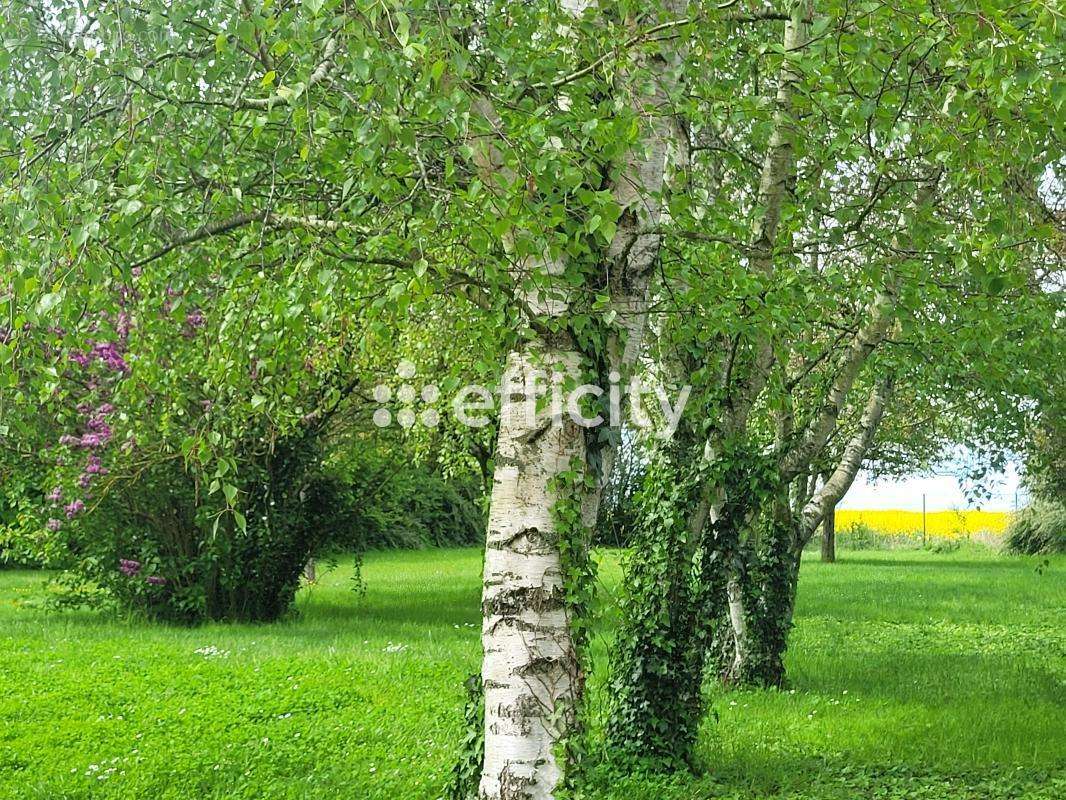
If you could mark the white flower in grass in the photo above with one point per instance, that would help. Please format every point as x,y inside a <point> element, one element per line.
<point>210,651</point>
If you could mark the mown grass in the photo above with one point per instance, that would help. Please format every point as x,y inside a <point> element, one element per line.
<point>914,675</point>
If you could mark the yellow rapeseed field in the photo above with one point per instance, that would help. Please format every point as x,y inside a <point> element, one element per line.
<point>939,524</point>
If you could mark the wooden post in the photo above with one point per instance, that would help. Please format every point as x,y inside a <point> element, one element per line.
<point>923,519</point>
<point>829,536</point>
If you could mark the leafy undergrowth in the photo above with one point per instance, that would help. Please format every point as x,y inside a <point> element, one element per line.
<point>914,675</point>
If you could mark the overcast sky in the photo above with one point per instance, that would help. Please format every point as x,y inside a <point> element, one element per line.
<point>942,491</point>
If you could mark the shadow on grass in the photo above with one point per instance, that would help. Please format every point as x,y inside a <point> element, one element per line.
<point>945,682</point>
<point>808,777</point>
<point>447,609</point>
<point>930,561</point>
<point>314,617</point>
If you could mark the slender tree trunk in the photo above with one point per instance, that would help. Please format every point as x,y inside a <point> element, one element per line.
<point>778,171</point>
<point>742,645</point>
<point>782,551</point>
<point>829,536</point>
<point>760,660</point>
<point>531,673</point>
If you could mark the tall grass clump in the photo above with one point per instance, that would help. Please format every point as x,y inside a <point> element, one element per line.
<point>1040,528</point>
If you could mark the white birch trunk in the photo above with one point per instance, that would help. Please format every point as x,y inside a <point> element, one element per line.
<point>531,673</point>
<point>839,481</point>
<point>532,677</point>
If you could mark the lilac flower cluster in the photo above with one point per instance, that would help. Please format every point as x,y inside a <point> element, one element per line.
<point>129,567</point>
<point>96,430</point>
<point>194,320</point>
<point>103,362</point>
<point>126,295</point>
<point>106,352</point>
<point>109,353</point>
<point>94,467</point>
<point>168,302</point>
<point>98,433</point>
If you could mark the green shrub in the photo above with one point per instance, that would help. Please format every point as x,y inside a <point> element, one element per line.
<point>860,536</point>
<point>1040,528</point>
<point>22,542</point>
<point>397,504</point>
<point>158,542</point>
<point>945,545</point>
<point>156,545</point>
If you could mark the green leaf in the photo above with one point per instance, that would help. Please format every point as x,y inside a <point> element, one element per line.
<point>48,302</point>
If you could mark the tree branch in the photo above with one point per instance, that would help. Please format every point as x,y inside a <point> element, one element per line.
<point>270,219</point>
<point>281,97</point>
<point>837,485</point>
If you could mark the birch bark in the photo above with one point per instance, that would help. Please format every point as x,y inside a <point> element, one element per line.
<point>839,481</point>
<point>531,673</point>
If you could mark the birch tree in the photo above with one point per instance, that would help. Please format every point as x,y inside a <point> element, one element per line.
<point>802,388</point>
<point>532,673</point>
<point>512,157</point>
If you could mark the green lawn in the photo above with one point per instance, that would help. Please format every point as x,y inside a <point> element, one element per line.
<point>915,675</point>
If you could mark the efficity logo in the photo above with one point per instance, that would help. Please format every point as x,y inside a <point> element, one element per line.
<point>405,397</point>
<point>539,392</point>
